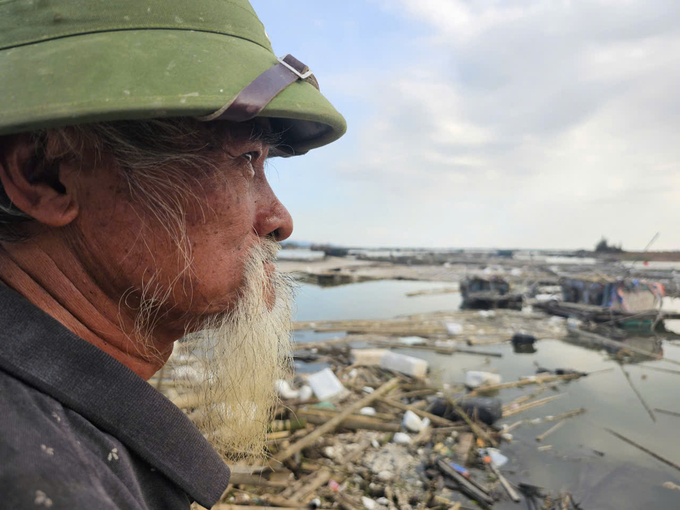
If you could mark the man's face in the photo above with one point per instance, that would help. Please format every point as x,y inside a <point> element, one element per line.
<point>180,236</point>
<point>230,208</point>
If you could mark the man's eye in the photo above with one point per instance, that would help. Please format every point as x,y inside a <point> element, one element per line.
<point>250,156</point>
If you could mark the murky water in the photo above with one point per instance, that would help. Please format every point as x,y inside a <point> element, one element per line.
<point>598,468</point>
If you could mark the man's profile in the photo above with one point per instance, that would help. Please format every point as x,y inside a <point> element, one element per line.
<point>135,211</point>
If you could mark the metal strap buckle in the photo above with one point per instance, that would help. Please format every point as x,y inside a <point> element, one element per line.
<point>297,72</point>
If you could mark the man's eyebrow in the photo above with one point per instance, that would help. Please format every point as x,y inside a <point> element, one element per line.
<point>265,135</point>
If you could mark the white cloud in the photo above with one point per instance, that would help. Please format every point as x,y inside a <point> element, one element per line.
<point>523,123</point>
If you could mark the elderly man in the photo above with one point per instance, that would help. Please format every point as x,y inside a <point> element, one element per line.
<point>135,211</point>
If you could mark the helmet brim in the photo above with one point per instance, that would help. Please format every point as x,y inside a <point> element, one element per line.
<point>144,74</point>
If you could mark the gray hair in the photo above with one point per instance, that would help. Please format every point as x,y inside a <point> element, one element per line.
<point>160,161</point>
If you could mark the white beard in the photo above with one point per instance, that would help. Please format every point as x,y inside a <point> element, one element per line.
<point>241,354</point>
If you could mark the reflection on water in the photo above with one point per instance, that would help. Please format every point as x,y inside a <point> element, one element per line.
<point>581,446</point>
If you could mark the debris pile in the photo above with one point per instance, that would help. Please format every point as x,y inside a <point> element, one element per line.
<point>372,431</point>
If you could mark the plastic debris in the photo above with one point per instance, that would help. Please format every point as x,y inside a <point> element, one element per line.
<point>368,503</point>
<point>367,357</point>
<point>401,438</point>
<point>306,393</point>
<point>488,409</point>
<point>284,390</point>
<point>325,384</point>
<point>475,379</point>
<point>385,476</point>
<point>412,340</point>
<point>412,422</point>
<point>454,328</point>
<point>497,457</point>
<point>408,365</point>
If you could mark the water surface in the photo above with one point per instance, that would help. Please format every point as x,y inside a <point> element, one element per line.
<point>601,469</point>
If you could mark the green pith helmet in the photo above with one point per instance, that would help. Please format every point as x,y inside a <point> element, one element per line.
<point>66,62</point>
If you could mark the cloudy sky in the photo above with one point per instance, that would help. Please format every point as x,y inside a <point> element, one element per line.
<point>488,123</point>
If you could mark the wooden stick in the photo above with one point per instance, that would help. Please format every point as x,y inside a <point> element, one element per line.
<point>352,422</point>
<point>330,413</point>
<point>514,426</point>
<point>658,369</point>
<point>476,429</point>
<point>418,393</point>
<point>423,414</point>
<point>277,500</point>
<point>279,425</point>
<point>637,393</point>
<point>568,414</point>
<point>321,478</point>
<point>531,405</point>
<point>552,429</point>
<point>647,451</point>
<point>523,382</point>
<point>256,479</point>
<point>524,398</point>
<point>335,422</point>
<point>479,353</point>
<point>465,485</point>
<point>506,485</point>
<point>275,436</point>
<point>672,413</point>
<point>428,292</point>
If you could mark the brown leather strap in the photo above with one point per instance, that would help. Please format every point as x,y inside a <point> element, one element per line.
<point>259,93</point>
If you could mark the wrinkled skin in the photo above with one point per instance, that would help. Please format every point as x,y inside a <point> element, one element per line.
<point>95,249</point>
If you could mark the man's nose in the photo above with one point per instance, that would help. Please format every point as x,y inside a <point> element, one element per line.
<point>274,221</point>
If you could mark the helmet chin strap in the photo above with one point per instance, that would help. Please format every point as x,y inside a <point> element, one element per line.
<point>259,93</point>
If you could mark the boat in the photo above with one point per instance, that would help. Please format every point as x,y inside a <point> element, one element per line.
<point>488,293</point>
<point>628,304</point>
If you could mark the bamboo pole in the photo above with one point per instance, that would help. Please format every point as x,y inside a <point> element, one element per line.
<point>568,414</point>
<point>638,394</point>
<point>351,422</point>
<point>663,411</point>
<point>466,485</point>
<point>523,382</point>
<point>552,429</point>
<point>504,482</point>
<point>330,413</point>
<point>531,405</point>
<point>658,369</point>
<point>642,448</point>
<point>335,422</point>
<point>429,292</point>
<point>279,425</point>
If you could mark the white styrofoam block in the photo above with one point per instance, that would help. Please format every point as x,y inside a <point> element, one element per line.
<point>325,385</point>
<point>415,367</point>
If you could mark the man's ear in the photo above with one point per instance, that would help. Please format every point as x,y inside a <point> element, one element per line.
<point>44,198</point>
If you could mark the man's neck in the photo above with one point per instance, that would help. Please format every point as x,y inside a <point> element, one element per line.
<point>60,287</point>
